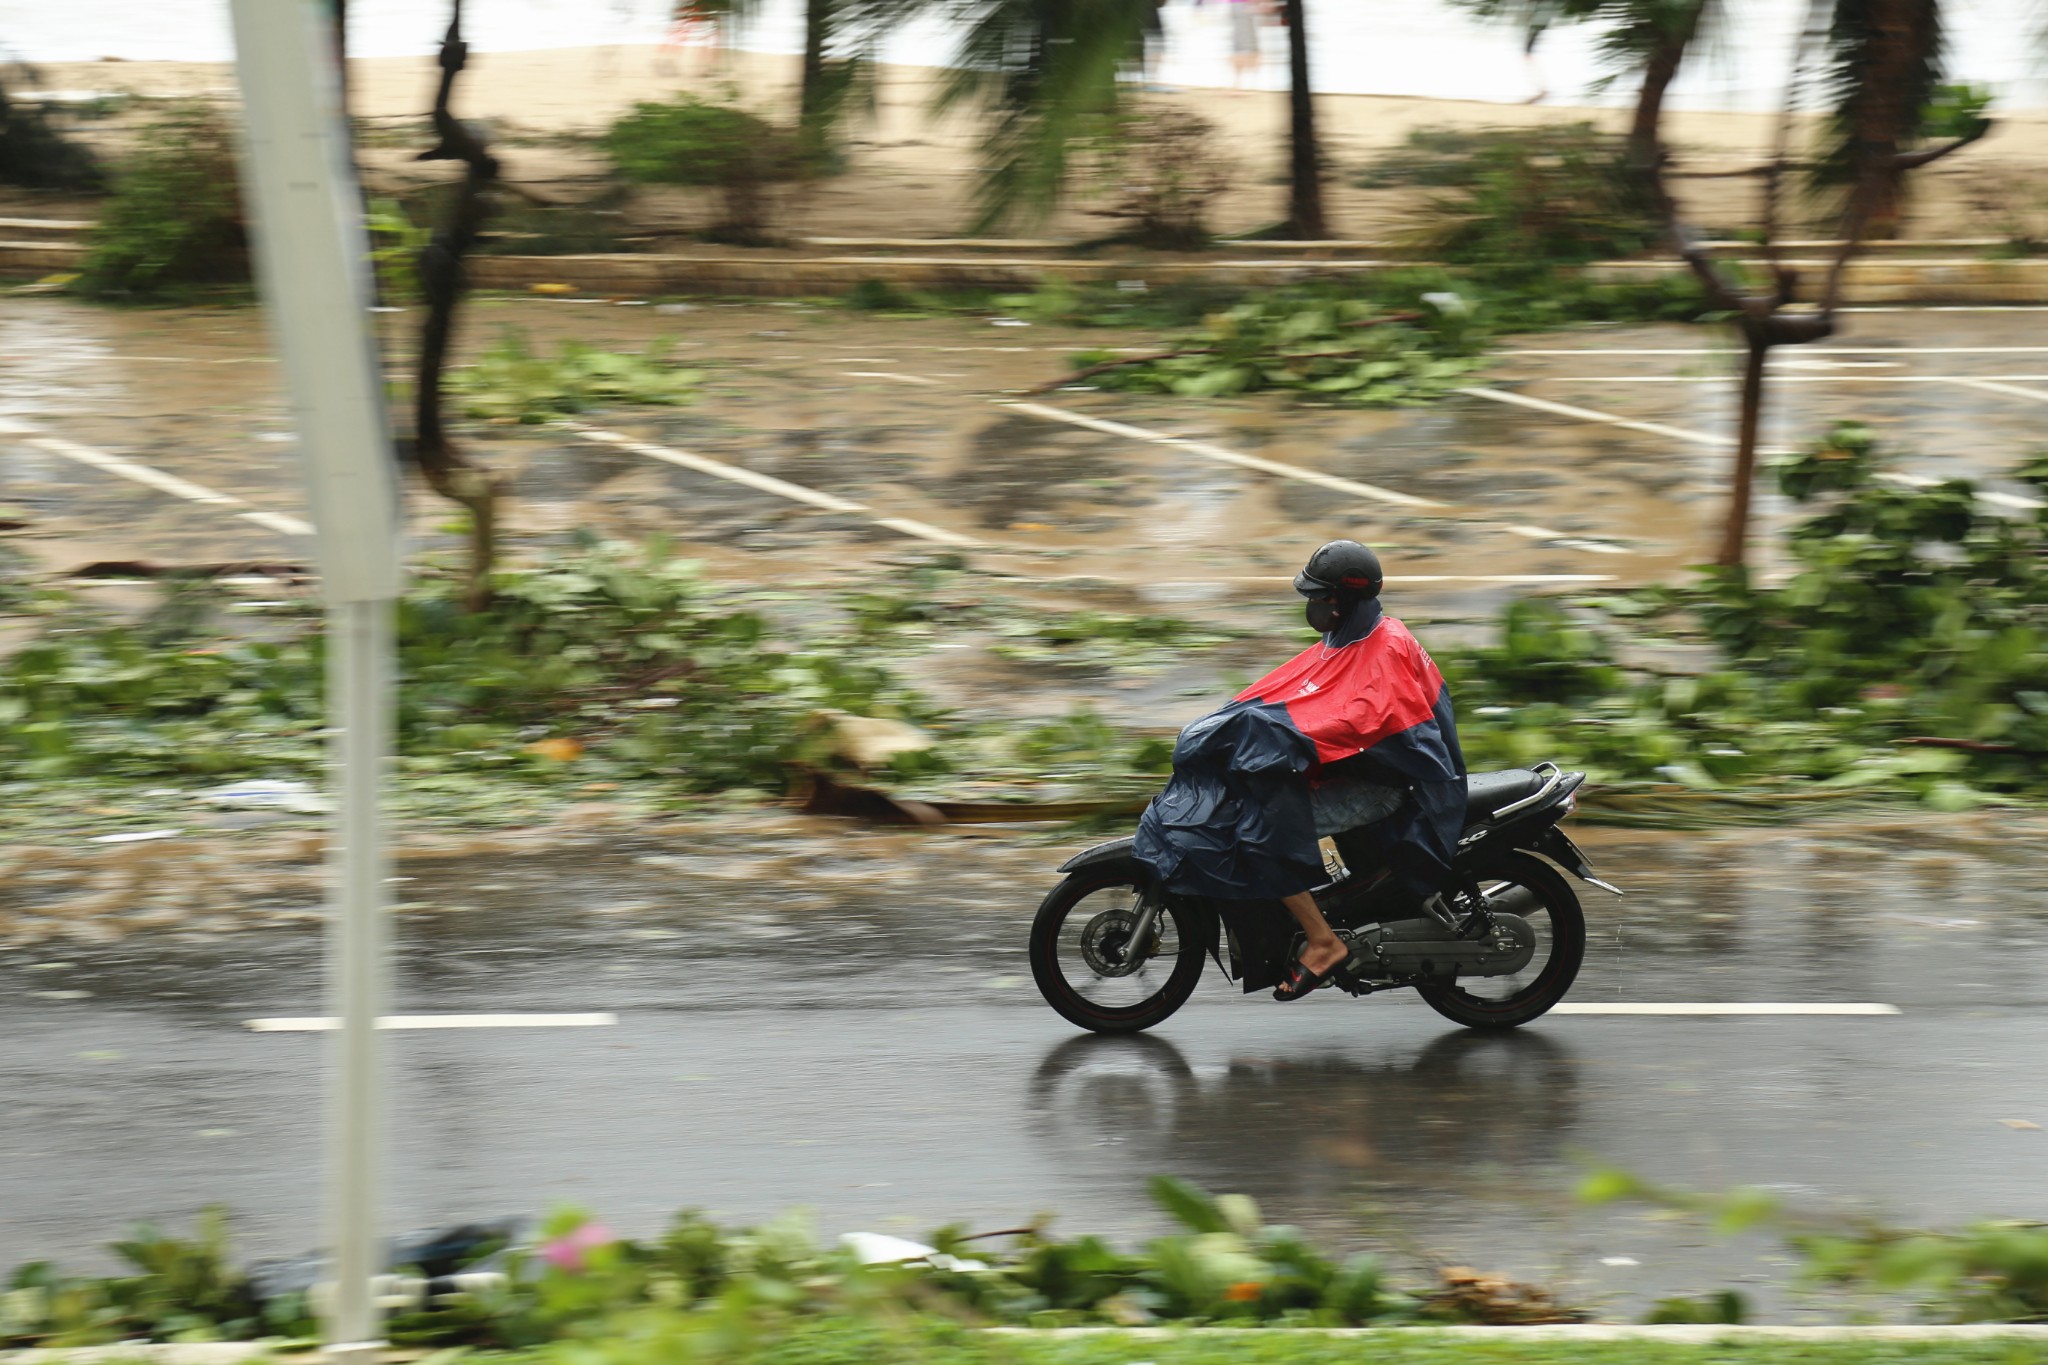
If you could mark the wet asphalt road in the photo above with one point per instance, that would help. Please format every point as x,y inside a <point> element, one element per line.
<point>877,1054</point>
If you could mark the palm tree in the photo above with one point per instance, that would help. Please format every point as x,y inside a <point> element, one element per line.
<point>840,40</point>
<point>1650,36</point>
<point>1047,72</point>
<point>1895,118</point>
<point>1305,220</point>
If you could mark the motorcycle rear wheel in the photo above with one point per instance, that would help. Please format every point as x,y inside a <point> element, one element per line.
<point>1567,944</point>
<point>1104,1003</point>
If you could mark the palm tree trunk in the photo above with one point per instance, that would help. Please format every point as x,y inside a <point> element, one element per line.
<point>1735,532</point>
<point>1658,72</point>
<point>813,99</point>
<point>1305,163</point>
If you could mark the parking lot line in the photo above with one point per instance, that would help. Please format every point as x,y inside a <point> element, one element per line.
<point>121,467</point>
<point>1523,400</point>
<point>766,483</point>
<point>1222,455</point>
<point>2015,501</point>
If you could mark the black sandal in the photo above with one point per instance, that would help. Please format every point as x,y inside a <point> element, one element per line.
<point>1301,981</point>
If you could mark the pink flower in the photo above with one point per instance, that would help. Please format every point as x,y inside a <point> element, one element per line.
<point>565,1253</point>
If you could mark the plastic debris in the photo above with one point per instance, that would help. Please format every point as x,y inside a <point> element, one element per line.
<point>879,1248</point>
<point>135,836</point>
<point>266,794</point>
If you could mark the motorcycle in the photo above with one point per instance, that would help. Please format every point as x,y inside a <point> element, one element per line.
<point>1114,953</point>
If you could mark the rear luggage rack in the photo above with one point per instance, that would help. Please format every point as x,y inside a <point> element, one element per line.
<point>1549,786</point>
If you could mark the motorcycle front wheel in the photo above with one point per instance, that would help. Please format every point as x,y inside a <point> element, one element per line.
<point>1499,1002</point>
<point>1081,954</point>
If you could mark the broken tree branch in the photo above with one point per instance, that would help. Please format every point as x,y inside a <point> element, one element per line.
<point>443,464</point>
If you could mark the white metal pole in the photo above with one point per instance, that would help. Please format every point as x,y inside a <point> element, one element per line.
<point>312,255</point>
<point>359,685</point>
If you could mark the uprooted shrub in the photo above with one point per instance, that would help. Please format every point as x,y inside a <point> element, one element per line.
<point>604,647</point>
<point>175,217</point>
<point>692,142</point>
<point>1157,170</point>
<point>511,382</point>
<point>1525,200</point>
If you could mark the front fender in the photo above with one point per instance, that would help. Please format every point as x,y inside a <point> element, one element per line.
<point>1116,850</point>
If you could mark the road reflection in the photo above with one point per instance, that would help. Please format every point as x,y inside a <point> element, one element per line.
<point>1297,1127</point>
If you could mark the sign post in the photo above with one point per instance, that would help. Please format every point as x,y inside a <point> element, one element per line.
<point>312,254</point>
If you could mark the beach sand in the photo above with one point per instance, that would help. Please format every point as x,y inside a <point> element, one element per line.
<point>911,173</point>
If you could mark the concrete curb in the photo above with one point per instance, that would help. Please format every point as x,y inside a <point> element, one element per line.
<point>1951,280</point>
<point>1938,280</point>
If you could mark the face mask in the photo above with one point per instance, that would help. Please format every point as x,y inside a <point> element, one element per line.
<point>1323,616</point>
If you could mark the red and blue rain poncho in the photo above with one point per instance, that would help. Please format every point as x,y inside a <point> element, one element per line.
<point>1235,821</point>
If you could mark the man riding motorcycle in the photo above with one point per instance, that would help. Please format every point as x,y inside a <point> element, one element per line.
<point>1357,728</point>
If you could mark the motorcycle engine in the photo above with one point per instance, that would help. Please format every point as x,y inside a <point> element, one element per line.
<point>1423,947</point>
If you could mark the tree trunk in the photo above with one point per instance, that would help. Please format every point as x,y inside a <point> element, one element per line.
<point>1305,162</point>
<point>813,98</point>
<point>1644,137</point>
<point>1735,534</point>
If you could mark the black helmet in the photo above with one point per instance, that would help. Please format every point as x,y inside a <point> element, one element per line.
<point>1342,567</point>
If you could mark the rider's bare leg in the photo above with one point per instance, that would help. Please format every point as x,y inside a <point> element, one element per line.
<point>1325,950</point>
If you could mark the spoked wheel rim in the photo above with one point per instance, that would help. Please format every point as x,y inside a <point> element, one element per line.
<point>1080,955</point>
<point>1091,952</point>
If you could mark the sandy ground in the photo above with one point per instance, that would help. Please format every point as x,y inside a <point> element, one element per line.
<point>912,172</point>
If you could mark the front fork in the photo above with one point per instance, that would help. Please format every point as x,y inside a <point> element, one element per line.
<point>1149,900</point>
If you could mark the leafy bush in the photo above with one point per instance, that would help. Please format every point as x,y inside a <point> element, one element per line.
<point>179,1289</point>
<point>698,1283</point>
<point>688,141</point>
<point>509,382</point>
<point>1529,200</point>
<point>1158,170</point>
<point>175,217</point>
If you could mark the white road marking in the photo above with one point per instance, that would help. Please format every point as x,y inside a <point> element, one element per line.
<point>1975,380</point>
<point>1731,1008</point>
<point>95,458</point>
<point>432,1021</point>
<point>766,483</point>
<point>1734,352</point>
<point>884,374</point>
<point>1222,455</point>
<point>1268,580</point>
<point>1992,384</point>
<point>1996,499</point>
<point>1946,308</point>
<point>1523,400</point>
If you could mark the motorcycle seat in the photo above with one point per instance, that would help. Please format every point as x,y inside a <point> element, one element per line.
<point>1486,793</point>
